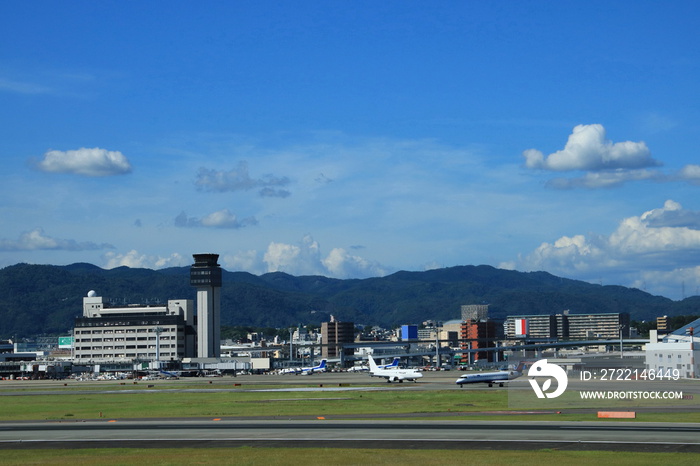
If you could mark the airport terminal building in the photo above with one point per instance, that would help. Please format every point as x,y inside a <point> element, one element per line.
<point>134,332</point>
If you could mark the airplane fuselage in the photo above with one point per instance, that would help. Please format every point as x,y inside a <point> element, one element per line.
<point>393,375</point>
<point>490,378</point>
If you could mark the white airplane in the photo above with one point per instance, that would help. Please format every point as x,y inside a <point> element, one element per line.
<point>358,369</point>
<point>499,377</point>
<point>394,365</point>
<point>305,370</point>
<point>393,375</point>
<point>312,370</point>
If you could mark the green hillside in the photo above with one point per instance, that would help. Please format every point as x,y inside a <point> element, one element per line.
<point>44,299</point>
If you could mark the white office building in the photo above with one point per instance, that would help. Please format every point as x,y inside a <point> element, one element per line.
<point>679,350</point>
<point>107,333</point>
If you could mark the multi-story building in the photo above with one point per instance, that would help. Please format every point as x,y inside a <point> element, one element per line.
<point>568,326</point>
<point>134,332</point>
<point>333,335</point>
<point>154,333</point>
<point>476,335</point>
<point>531,326</point>
<point>409,332</point>
<point>475,312</point>
<point>587,326</point>
<point>676,355</point>
<point>428,333</point>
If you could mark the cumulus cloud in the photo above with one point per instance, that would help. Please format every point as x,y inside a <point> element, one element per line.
<point>305,258</point>
<point>239,179</point>
<point>86,162</point>
<point>588,149</point>
<point>134,259</point>
<point>244,260</point>
<point>672,215</point>
<point>341,264</point>
<point>37,240</point>
<point>295,259</point>
<point>690,173</point>
<point>220,219</point>
<point>660,241</point>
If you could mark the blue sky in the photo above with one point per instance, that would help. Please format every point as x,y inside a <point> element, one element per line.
<point>355,139</point>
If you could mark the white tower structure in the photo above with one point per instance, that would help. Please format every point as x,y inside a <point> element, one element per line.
<point>205,275</point>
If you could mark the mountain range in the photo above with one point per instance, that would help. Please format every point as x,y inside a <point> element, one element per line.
<point>45,299</point>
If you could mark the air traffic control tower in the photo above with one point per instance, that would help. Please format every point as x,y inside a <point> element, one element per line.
<point>205,275</point>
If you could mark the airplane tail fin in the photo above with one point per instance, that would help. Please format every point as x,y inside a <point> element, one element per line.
<point>521,366</point>
<point>372,365</point>
<point>394,363</point>
<point>323,364</point>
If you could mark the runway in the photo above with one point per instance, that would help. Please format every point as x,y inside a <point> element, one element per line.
<point>664,437</point>
<point>373,431</point>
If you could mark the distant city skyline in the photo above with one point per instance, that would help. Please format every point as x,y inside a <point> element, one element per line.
<point>354,140</point>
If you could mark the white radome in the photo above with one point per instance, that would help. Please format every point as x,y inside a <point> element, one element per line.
<point>92,294</point>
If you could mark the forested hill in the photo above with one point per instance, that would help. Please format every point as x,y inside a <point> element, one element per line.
<point>44,299</point>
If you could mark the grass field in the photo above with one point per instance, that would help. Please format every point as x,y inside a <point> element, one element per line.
<point>178,399</point>
<point>114,400</point>
<point>239,404</point>
<point>335,456</point>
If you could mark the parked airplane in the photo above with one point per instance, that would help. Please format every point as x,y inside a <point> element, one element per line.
<point>393,375</point>
<point>358,369</point>
<point>171,374</point>
<point>305,370</point>
<point>312,370</point>
<point>394,364</point>
<point>499,377</point>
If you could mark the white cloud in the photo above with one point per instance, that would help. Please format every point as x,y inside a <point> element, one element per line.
<point>226,219</point>
<point>305,259</point>
<point>588,149</point>
<point>660,242</point>
<point>679,282</point>
<point>239,179</point>
<point>134,259</point>
<point>86,162</point>
<point>37,240</point>
<point>220,219</point>
<point>301,259</point>
<point>690,173</point>
<point>672,215</point>
<point>341,264</point>
<point>604,179</point>
<point>244,260</point>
